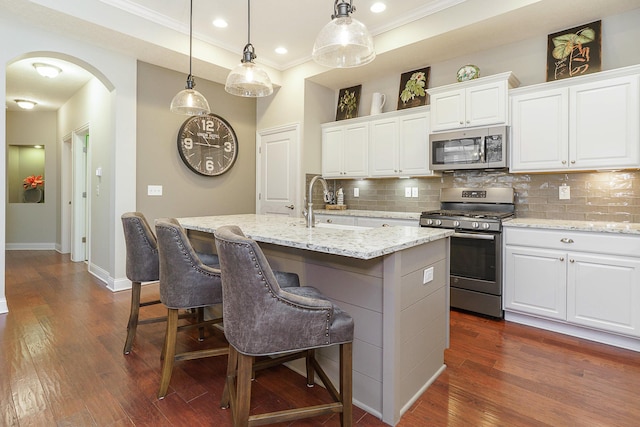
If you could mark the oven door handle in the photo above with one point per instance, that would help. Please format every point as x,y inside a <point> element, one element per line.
<point>474,236</point>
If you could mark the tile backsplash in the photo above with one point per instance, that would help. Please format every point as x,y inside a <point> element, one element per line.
<point>594,196</point>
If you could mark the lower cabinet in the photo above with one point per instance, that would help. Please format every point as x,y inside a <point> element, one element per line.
<point>588,279</point>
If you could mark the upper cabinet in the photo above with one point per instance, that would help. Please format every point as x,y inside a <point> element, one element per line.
<point>399,144</point>
<point>344,150</point>
<point>583,123</point>
<point>473,103</point>
<point>384,145</point>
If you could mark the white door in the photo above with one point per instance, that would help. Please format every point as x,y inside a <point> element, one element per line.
<point>278,171</point>
<point>79,206</point>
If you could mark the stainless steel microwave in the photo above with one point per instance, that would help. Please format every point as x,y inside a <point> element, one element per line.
<point>483,148</point>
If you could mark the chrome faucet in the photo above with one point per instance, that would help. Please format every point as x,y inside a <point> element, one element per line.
<point>310,218</point>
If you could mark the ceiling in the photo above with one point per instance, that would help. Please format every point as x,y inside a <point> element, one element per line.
<point>157,32</point>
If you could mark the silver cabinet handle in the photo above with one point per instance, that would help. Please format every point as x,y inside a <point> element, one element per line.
<point>564,162</point>
<point>290,207</point>
<point>561,258</point>
<point>329,221</point>
<point>566,240</point>
<point>572,260</point>
<point>386,225</point>
<point>573,162</point>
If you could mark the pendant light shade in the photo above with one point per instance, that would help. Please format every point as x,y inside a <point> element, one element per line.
<point>189,101</point>
<point>248,79</point>
<point>344,42</point>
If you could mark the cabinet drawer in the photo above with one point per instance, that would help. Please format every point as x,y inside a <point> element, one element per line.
<point>583,241</point>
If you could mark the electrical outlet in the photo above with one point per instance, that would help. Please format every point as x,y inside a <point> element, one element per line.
<point>414,191</point>
<point>154,190</point>
<point>407,192</point>
<point>427,275</point>
<point>356,192</point>
<point>564,192</point>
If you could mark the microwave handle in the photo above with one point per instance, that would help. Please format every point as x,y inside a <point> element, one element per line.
<point>482,149</point>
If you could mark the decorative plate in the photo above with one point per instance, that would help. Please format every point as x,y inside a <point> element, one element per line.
<point>468,72</point>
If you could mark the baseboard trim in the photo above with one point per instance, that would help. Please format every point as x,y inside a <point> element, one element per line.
<point>30,246</point>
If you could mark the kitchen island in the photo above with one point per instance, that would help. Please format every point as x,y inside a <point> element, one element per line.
<point>393,281</point>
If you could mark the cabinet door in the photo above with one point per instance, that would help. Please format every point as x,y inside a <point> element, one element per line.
<point>336,219</point>
<point>447,110</point>
<point>486,104</point>
<point>385,222</point>
<point>414,144</point>
<point>604,292</point>
<point>332,140</point>
<point>604,121</point>
<point>355,150</point>
<point>383,147</point>
<point>535,281</point>
<point>539,131</point>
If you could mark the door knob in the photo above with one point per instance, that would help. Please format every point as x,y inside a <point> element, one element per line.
<point>290,207</point>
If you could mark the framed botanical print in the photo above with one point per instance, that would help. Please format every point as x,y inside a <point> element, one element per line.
<point>348,103</point>
<point>574,52</point>
<point>413,88</point>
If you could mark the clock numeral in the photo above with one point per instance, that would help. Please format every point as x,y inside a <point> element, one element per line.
<point>207,125</point>
<point>228,147</point>
<point>208,164</point>
<point>187,143</point>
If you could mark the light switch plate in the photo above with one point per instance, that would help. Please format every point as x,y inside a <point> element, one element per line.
<point>407,192</point>
<point>356,192</point>
<point>564,192</point>
<point>154,190</point>
<point>427,275</point>
<point>414,191</point>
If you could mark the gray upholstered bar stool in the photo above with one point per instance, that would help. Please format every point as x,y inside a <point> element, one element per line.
<point>262,319</point>
<point>185,283</point>
<point>142,265</point>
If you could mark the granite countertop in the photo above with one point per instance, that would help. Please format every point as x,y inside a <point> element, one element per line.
<point>369,214</point>
<point>355,242</point>
<point>558,224</point>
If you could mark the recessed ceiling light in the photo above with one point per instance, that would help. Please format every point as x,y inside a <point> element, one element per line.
<point>25,104</point>
<point>46,70</point>
<point>220,23</point>
<point>281,50</point>
<point>378,7</point>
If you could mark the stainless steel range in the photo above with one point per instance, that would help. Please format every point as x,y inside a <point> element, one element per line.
<point>476,215</point>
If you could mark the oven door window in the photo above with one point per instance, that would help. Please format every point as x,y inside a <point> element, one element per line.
<point>457,151</point>
<point>474,256</point>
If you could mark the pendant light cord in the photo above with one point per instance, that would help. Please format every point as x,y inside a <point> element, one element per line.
<point>190,35</point>
<point>248,21</point>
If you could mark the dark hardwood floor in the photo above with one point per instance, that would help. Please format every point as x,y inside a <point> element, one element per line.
<point>61,364</point>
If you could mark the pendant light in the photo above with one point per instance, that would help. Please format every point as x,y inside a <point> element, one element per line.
<point>344,42</point>
<point>189,101</point>
<point>248,79</point>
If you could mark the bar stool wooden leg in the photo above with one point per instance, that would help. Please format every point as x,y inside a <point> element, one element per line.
<point>232,366</point>
<point>346,384</point>
<point>243,391</point>
<point>132,326</point>
<point>168,352</point>
<point>311,354</point>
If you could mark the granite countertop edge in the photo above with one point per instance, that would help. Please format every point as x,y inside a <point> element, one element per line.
<point>559,224</point>
<point>365,243</point>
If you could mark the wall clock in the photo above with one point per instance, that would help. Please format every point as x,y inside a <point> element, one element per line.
<point>207,144</point>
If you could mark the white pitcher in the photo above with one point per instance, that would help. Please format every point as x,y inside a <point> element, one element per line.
<point>377,102</point>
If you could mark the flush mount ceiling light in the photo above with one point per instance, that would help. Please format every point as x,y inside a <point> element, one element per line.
<point>26,104</point>
<point>189,101</point>
<point>248,79</point>
<point>46,70</point>
<point>344,42</point>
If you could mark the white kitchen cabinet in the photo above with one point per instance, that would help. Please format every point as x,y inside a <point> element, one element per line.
<point>589,279</point>
<point>335,219</point>
<point>399,145</point>
<point>386,222</point>
<point>478,102</point>
<point>345,150</point>
<point>584,123</point>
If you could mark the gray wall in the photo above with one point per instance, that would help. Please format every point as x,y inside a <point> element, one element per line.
<point>29,224</point>
<point>158,162</point>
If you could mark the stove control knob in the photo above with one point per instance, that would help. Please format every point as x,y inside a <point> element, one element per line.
<point>475,224</point>
<point>456,223</point>
<point>438,222</point>
<point>486,226</point>
<point>429,221</point>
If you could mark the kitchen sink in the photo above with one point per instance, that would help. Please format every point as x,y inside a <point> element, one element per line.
<point>341,226</point>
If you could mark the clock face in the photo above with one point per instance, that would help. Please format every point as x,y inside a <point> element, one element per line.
<point>207,144</point>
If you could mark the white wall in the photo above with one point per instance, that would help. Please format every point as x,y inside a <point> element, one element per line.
<point>19,39</point>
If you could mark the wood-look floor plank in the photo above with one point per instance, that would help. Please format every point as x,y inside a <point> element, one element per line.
<point>62,364</point>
